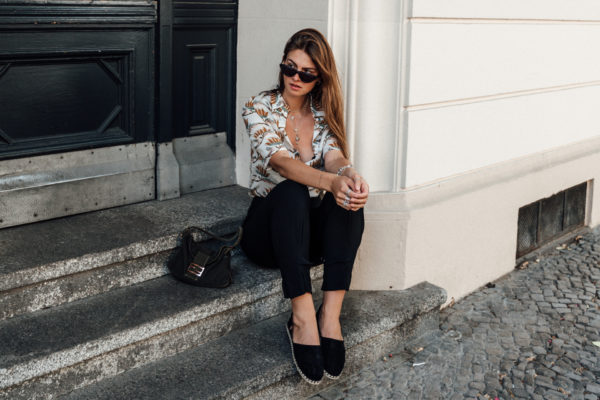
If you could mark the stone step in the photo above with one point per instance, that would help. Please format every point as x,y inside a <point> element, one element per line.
<point>58,261</point>
<point>80,285</point>
<point>49,352</point>
<point>254,361</point>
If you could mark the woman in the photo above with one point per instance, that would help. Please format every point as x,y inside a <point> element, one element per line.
<point>299,152</point>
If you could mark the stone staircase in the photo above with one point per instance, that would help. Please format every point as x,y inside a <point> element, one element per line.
<point>88,311</point>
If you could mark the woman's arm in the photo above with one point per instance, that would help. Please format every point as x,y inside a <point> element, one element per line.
<point>263,138</point>
<point>299,172</point>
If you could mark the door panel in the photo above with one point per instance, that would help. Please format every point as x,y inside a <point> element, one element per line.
<point>203,44</point>
<point>74,86</point>
<point>51,100</point>
<point>197,92</point>
<point>202,63</point>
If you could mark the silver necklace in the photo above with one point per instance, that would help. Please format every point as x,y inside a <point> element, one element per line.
<point>296,126</point>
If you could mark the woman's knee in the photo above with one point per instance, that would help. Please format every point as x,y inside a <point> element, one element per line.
<point>290,193</point>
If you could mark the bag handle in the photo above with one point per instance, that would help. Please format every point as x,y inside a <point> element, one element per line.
<point>237,236</point>
<point>223,250</point>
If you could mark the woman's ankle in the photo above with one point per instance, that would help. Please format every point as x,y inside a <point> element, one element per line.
<point>305,331</point>
<point>329,325</point>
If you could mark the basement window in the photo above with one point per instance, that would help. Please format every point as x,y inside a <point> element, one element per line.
<point>550,218</point>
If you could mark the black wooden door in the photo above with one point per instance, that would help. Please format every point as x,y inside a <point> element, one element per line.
<point>83,75</point>
<point>197,68</point>
<point>87,88</point>
<point>75,76</point>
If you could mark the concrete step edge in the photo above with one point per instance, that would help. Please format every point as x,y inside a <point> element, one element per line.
<point>80,285</point>
<point>255,361</point>
<point>235,304</point>
<point>90,261</point>
<point>51,249</point>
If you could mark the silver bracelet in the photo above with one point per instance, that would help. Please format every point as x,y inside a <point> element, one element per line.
<point>342,169</point>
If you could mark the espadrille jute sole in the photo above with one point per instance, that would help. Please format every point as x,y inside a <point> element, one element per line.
<point>327,374</point>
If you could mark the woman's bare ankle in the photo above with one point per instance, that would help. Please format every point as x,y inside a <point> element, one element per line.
<point>304,331</point>
<point>330,325</point>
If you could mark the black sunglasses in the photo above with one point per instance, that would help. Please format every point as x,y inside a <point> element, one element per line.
<point>290,71</point>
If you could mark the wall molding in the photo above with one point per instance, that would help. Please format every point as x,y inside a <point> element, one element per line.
<point>447,188</point>
<point>362,52</point>
<point>498,96</point>
<point>442,20</point>
<point>59,15</point>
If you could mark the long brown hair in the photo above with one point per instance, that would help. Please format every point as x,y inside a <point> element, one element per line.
<point>327,93</point>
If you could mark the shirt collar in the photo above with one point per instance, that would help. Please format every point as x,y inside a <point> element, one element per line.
<point>280,105</point>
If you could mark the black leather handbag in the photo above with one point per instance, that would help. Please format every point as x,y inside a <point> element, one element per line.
<point>199,265</point>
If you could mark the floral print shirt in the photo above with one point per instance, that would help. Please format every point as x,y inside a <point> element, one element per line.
<point>265,117</point>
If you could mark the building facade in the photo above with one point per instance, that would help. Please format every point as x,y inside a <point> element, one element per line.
<point>474,121</point>
<point>460,114</point>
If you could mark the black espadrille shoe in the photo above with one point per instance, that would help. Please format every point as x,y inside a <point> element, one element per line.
<point>334,353</point>
<point>307,358</point>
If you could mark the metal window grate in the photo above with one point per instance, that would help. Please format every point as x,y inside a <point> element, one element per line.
<point>527,232</point>
<point>575,206</point>
<point>551,217</point>
<point>547,219</point>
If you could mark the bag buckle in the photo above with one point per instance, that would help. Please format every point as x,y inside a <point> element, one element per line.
<point>195,271</point>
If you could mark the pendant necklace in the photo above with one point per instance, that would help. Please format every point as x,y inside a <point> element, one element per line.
<point>296,137</point>
<point>296,124</point>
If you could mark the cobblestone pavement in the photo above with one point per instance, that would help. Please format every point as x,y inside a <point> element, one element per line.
<point>531,336</point>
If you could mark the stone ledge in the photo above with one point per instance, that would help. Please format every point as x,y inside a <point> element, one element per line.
<point>51,249</point>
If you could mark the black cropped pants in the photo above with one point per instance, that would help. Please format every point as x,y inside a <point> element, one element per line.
<point>290,231</point>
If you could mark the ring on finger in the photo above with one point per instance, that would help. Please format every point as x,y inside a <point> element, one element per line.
<point>346,202</point>
<point>348,192</point>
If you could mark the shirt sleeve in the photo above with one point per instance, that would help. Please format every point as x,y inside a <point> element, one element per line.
<point>263,138</point>
<point>331,143</point>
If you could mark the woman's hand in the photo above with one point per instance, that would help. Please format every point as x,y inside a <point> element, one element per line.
<point>360,191</point>
<point>360,185</point>
<point>350,194</point>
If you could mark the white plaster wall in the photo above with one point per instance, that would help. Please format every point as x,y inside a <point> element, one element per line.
<point>459,113</point>
<point>380,260</point>
<point>511,9</point>
<point>372,96</point>
<point>461,233</point>
<point>454,61</point>
<point>466,241</point>
<point>367,40</point>
<point>456,139</point>
<point>264,26</point>
<point>491,81</point>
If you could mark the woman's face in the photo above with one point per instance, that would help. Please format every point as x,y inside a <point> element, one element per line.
<point>300,60</point>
